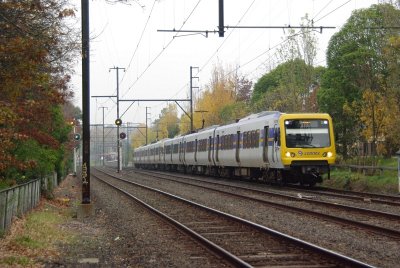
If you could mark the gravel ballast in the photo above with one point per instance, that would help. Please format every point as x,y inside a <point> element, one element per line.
<point>123,234</point>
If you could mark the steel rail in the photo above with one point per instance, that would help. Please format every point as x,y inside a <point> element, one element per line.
<point>231,258</point>
<point>377,229</point>
<point>345,260</point>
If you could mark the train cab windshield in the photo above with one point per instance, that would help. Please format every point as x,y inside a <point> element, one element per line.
<point>307,133</point>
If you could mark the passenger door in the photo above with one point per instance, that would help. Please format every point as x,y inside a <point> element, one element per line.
<point>277,144</point>
<point>265,148</point>
<point>238,147</point>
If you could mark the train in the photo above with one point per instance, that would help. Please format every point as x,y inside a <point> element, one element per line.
<point>276,147</point>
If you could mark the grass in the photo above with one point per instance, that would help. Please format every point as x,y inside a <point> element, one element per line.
<point>36,238</point>
<point>385,181</point>
<point>4,184</point>
<point>21,261</point>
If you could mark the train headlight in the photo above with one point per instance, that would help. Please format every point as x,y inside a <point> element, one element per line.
<point>330,154</point>
<point>289,154</point>
<point>327,154</point>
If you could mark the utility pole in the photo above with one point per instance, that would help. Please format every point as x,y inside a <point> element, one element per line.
<point>146,123</point>
<point>118,139</point>
<point>191,96</point>
<point>221,18</point>
<point>85,103</point>
<point>103,133</point>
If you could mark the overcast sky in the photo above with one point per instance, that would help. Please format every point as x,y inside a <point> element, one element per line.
<point>157,65</point>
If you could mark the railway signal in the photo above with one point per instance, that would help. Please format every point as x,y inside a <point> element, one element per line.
<point>118,122</point>
<point>77,136</point>
<point>122,135</point>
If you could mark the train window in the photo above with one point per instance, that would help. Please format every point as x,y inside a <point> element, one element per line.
<point>253,139</point>
<point>224,142</point>
<point>245,140</point>
<point>216,154</point>
<point>250,139</point>
<point>310,133</point>
<point>237,156</point>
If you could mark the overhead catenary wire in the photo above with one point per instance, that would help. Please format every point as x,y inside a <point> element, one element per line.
<point>139,42</point>
<point>275,46</point>
<point>322,9</point>
<point>284,41</point>
<point>246,63</point>
<point>225,39</point>
<point>159,54</point>
<point>162,50</point>
<point>342,5</point>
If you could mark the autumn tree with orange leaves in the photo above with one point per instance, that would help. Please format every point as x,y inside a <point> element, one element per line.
<point>36,52</point>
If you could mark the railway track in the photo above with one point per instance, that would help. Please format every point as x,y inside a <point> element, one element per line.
<point>391,200</point>
<point>378,222</point>
<point>241,242</point>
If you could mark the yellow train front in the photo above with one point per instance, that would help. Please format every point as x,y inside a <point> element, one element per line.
<point>307,147</point>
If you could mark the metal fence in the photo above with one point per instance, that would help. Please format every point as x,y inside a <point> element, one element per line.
<point>364,169</point>
<point>16,201</point>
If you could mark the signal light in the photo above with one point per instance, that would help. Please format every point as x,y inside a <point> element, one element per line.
<point>118,122</point>
<point>77,136</point>
<point>122,135</point>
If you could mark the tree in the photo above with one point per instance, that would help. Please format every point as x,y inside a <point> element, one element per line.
<point>167,125</point>
<point>221,91</point>
<point>243,89</point>
<point>356,64</point>
<point>287,88</point>
<point>300,45</point>
<point>138,136</point>
<point>36,48</point>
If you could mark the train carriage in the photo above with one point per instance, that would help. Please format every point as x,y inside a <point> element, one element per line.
<point>168,147</point>
<point>190,150</point>
<point>177,154</point>
<point>199,158</point>
<point>274,146</point>
<point>249,146</point>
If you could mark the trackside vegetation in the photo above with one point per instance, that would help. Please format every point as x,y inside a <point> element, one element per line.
<point>349,177</point>
<point>37,48</point>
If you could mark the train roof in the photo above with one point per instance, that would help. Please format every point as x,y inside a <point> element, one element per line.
<point>258,115</point>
